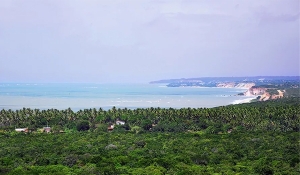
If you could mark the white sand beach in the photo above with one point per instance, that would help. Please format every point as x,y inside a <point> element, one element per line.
<point>246,100</point>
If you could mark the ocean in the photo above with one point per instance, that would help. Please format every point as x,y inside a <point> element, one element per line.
<point>84,96</point>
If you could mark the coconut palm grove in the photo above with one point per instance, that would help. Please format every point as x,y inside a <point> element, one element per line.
<point>253,138</point>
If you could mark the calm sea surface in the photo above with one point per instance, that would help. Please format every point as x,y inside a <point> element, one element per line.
<point>82,96</point>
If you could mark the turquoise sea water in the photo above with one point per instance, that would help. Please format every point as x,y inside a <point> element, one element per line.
<point>82,96</point>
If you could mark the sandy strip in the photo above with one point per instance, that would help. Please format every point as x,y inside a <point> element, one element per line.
<point>246,100</point>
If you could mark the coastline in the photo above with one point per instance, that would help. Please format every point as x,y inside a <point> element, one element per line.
<point>241,89</point>
<point>246,100</point>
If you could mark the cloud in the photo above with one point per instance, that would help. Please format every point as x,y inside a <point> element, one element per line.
<point>116,40</point>
<point>271,18</point>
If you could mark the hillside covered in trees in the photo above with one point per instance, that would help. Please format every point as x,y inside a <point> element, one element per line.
<point>254,138</point>
<point>259,81</point>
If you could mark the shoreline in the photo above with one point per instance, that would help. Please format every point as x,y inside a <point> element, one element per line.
<point>247,100</point>
<point>204,87</point>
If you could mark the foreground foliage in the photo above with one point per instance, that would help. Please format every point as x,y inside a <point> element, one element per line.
<point>150,153</point>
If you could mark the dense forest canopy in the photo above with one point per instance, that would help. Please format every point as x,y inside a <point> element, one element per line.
<point>253,138</point>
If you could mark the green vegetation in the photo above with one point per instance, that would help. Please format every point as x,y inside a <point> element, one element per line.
<point>150,153</point>
<point>287,92</point>
<point>282,82</point>
<point>279,85</point>
<point>292,92</point>
<point>83,126</point>
<point>254,138</point>
<point>273,91</point>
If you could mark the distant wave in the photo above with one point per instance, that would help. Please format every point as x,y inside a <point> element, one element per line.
<point>83,96</point>
<point>223,95</point>
<point>136,101</point>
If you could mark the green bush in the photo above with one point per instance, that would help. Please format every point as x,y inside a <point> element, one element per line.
<point>83,126</point>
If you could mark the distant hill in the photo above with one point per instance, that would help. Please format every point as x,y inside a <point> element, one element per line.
<point>228,81</point>
<point>255,78</point>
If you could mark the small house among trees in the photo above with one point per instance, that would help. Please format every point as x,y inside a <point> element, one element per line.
<point>111,127</point>
<point>47,129</point>
<point>120,122</point>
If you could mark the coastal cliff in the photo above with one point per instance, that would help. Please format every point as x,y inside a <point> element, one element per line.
<point>236,85</point>
<point>259,88</point>
<point>255,91</point>
<point>264,93</point>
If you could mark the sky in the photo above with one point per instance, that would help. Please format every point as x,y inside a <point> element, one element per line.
<point>111,41</point>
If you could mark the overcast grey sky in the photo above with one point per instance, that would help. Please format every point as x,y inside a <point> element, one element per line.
<point>107,41</point>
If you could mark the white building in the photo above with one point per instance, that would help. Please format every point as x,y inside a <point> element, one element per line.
<point>21,129</point>
<point>119,122</point>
